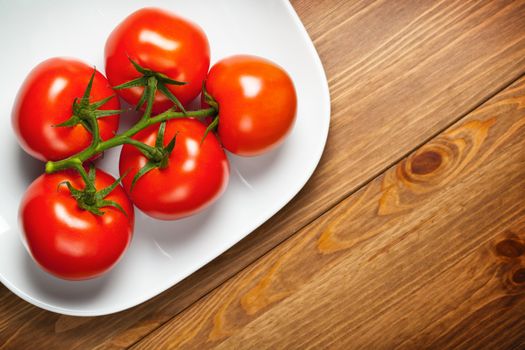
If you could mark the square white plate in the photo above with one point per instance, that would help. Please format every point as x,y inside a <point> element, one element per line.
<point>161,253</point>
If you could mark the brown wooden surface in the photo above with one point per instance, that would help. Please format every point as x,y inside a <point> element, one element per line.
<point>378,249</point>
<point>424,254</point>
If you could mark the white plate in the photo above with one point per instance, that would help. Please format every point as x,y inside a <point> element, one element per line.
<point>161,253</point>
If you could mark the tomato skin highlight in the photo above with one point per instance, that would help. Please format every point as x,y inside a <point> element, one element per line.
<point>163,42</point>
<point>45,99</point>
<point>196,175</point>
<point>257,103</point>
<point>67,241</point>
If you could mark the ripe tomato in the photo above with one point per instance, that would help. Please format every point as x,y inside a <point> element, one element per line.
<point>196,174</point>
<point>164,43</point>
<point>46,99</point>
<point>70,242</point>
<point>257,103</point>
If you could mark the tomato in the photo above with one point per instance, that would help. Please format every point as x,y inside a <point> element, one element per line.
<point>257,103</point>
<point>46,99</point>
<point>164,43</point>
<point>70,242</point>
<point>196,174</point>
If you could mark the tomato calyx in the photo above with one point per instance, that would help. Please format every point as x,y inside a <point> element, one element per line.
<point>89,198</point>
<point>152,81</point>
<point>158,156</point>
<point>210,101</point>
<point>85,112</point>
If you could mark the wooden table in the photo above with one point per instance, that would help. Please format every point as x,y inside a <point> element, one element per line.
<point>411,233</point>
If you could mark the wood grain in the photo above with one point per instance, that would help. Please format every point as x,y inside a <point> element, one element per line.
<point>431,254</point>
<point>399,72</point>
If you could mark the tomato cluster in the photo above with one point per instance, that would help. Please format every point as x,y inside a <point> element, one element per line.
<point>77,220</point>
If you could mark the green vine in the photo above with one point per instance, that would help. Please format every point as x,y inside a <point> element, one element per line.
<point>87,114</point>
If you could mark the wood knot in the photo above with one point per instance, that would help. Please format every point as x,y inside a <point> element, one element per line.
<point>426,162</point>
<point>518,277</point>
<point>434,165</point>
<point>510,251</point>
<point>510,248</point>
<point>514,277</point>
<point>430,165</point>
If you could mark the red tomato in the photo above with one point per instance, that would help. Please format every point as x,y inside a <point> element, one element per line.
<point>257,103</point>
<point>196,175</point>
<point>164,43</point>
<point>46,99</point>
<point>70,242</point>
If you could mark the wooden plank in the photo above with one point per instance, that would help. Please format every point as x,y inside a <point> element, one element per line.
<point>431,254</point>
<point>399,73</point>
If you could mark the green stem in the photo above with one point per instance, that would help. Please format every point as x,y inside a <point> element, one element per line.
<point>120,139</point>
<point>151,90</point>
<point>83,174</point>
<point>93,123</point>
<point>140,145</point>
